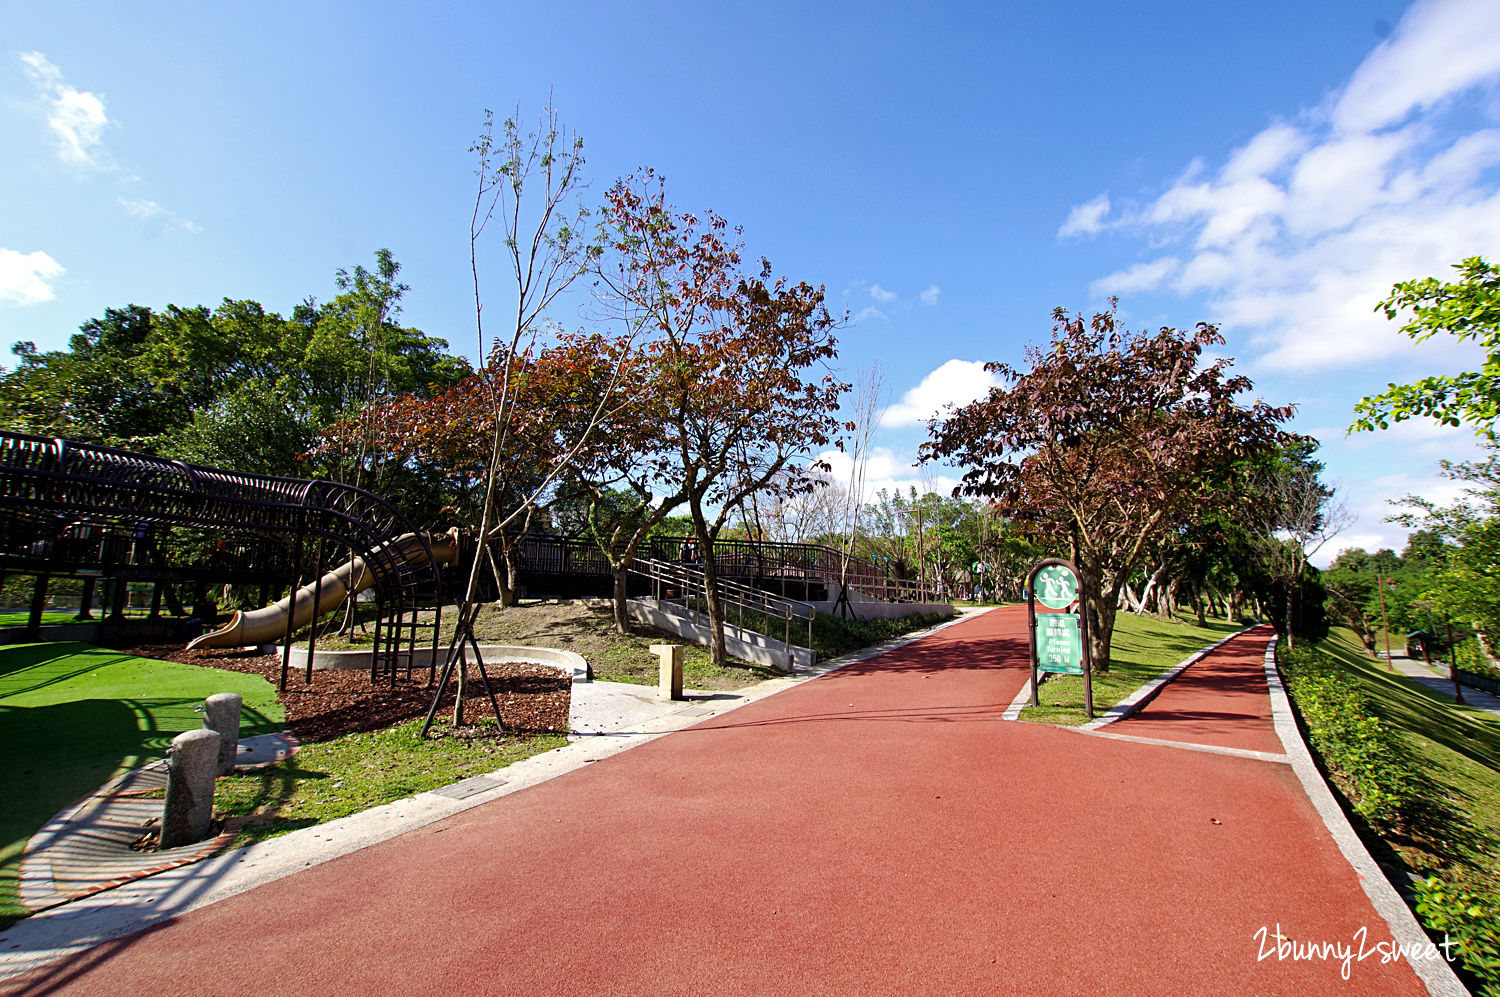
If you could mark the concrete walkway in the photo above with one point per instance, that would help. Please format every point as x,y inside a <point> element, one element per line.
<point>1437,680</point>
<point>879,830</point>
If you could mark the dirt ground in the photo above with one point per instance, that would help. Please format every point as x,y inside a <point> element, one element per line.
<point>532,698</point>
<point>587,627</point>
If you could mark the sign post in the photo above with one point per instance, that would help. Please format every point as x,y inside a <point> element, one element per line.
<point>1059,639</point>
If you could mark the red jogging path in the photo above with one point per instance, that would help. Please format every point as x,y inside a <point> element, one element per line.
<point>878,830</point>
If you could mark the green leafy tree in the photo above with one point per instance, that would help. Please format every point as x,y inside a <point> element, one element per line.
<point>1467,309</point>
<point>1457,549</point>
<point>94,391</point>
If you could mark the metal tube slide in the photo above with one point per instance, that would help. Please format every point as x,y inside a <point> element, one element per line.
<point>262,626</point>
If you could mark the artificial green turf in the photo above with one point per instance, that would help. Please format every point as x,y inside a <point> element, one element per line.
<point>1142,648</point>
<point>73,716</point>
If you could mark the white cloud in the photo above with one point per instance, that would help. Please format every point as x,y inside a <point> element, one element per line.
<point>865,313</point>
<point>955,383</point>
<point>150,210</point>
<point>930,296</point>
<point>1306,226</point>
<point>1441,48</point>
<point>1140,277</point>
<point>1086,218</point>
<point>881,294</point>
<point>1266,153</point>
<point>77,117</point>
<point>886,471</point>
<point>26,278</point>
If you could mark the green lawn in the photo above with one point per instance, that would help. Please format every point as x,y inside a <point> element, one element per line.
<point>73,716</point>
<point>346,775</point>
<point>19,618</point>
<point>1143,648</point>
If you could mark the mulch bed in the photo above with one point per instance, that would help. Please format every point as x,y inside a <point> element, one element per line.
<point>534,699</point>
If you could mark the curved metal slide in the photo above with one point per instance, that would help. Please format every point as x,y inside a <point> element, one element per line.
<point>260,626</point>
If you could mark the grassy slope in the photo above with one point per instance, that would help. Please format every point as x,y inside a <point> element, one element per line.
<point>1457,746</point>
<point>73,716</point>
<point>1143,647</point>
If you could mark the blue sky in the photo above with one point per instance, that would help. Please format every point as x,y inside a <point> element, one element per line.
<point>950,172</point>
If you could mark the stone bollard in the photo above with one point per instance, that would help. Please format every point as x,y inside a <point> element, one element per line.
<point>191,764</point>
<point>221,713</point>
<point>670,656</point>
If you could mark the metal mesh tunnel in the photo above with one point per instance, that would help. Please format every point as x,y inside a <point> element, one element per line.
<point>88,510</point>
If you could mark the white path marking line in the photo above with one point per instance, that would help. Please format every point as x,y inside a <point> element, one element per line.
<point>1215,749</point>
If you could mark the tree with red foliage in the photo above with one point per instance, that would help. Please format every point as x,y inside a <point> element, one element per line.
<point>1111,440</point>
<point>732,360</point>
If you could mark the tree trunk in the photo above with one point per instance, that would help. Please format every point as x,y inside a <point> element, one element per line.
<point>1101,624</point>
<point>621,572</point>
<point>1101,605</point>
<point>716,652</point>
<point>1289,644</point>
<point>1143,606</point>
<point>1198,607</point>
<point>1166,600</point>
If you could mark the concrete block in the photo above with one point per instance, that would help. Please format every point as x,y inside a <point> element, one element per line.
<point>670,656</point>
<point>221,714</point>
<point>192,766</point>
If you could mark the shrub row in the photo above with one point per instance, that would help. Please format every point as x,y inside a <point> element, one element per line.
<point>1370,764</point>
<point>1467,914</point>
<point>835,635</point>
<point>1363,755</point>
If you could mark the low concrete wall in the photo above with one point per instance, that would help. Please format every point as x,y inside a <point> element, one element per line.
<point>569,663</point>
<point>747,645</point>
<point>872,610</point>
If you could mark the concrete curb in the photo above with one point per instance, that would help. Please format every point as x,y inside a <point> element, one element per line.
<point>569,663</point>
<point>1436,975</point>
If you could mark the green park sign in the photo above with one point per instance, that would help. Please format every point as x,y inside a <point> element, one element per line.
<point>1056,586</point>
<point>1059,639</point>
<point>1059,645</point>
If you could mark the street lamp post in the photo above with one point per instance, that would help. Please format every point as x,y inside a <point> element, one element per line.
<point>1384,626</point>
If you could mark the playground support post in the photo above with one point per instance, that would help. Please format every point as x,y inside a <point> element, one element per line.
<point>38,605</point>
<point>312,627</point>
<point>291,611</point>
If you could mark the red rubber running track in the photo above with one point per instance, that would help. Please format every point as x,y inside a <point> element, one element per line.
<point>879,830</point>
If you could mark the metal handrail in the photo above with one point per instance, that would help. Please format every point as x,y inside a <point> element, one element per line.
<point>692,581</point>
<point>803,561</point>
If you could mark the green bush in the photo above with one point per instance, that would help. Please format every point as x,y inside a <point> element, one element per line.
<point>835,635</point>
<point>1468,916</point>
<point>1364,756</point>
